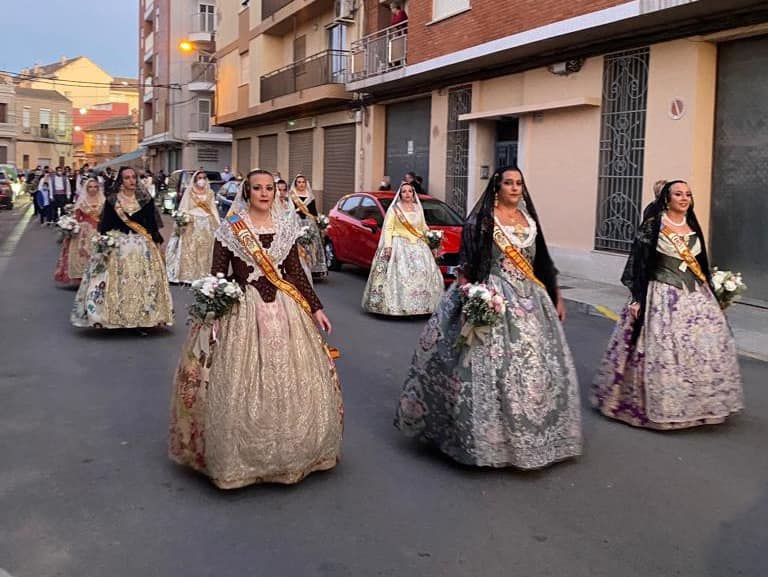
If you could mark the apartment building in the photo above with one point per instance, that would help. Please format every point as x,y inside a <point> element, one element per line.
<point>109,139</point>
<point>283,65</point>
<point>178,74</point>
<point>594,100</point>
<point>7,121</point>
<point>43,125</point>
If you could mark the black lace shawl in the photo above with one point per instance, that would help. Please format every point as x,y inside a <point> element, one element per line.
<point>644,256</point>
<point>146,216</point>
<point>476,257</point>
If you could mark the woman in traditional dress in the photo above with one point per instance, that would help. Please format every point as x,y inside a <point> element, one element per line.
<point>671,362</point>
<point>404,278</point>
<point>265,404</point>
<point>190,249</point>
<point>510,399</point>
<point>313,257</point>
<point>76,250</point>
<point>124,285</point>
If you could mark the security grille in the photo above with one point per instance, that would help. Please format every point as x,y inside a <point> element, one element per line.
<point>457,165</point>
<point>622,149</point>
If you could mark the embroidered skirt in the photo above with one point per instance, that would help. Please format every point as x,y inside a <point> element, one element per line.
<point>190,250</point>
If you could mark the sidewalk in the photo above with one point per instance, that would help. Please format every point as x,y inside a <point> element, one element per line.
<point>749,323</point>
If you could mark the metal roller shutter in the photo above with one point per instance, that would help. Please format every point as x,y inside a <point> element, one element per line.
<point>300,154</point>
<point>243,155</point>
<point>339,165</point>
<point>268,152</point>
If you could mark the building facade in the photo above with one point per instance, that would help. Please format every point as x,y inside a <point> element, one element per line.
<point>595,100</point>
<point>283,65</point>
<point>7,121</point>
<point>85,118</point>
<point>110,138</point>
<point>43,124</point>
<point>179,88</point>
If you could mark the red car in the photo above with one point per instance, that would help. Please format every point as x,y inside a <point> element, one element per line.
<point>356,222</point>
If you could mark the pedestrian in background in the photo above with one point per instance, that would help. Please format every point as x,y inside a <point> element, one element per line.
<point>44,202</point>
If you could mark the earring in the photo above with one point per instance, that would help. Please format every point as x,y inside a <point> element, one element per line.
<point>496,200</point>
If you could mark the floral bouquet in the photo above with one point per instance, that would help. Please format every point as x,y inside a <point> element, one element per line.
<point>68,226</point>
<point>306,236</point>
<point>69,208</point>
<point>214,297</point>
<point>323,222</point>
<point>728,286</point>
<point>181,219</point>
<point>103,243</point>
<point>434,239</point>
<point>482,307</point>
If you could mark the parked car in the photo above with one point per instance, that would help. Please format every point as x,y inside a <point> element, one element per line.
<point>12,175</point>
<point>178,181</point>
<point>226,196</point>
<point>6,192</point>
<point>356,222</point>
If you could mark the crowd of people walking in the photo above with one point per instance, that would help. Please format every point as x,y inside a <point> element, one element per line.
<point>256,396</point>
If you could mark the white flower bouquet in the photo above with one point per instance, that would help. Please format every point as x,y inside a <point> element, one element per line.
<point>434,239</point>
<point>68,226</point>
<point>323,222</point>
<point>180,219</point>
<point>214,297</point>
<point>482,307</point>
<point>69,208</point>
<point>306,236</point>
<point>104,243</point>
<point>728,286</point>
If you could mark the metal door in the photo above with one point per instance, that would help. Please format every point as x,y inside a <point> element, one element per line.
<point>243,155</point>
<point>408,140</point>
<point>268,152</point>
<point>739,237</point>
<point>300,154</point>
<point>339,164</point>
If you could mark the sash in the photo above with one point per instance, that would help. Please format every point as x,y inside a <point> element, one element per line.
<point>684,252</point>
<point>511,252</point>
<point>134,226</point>
<point>407,224</point>
<point>302,207</point>
<point>267,266</point>
<point>202,205</point>
<point>91,216</point>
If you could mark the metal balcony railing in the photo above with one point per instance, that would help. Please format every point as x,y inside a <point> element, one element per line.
<point>327,67</point>
<point>269,7</point>
<point>203,72</point>
<point>380,52</point>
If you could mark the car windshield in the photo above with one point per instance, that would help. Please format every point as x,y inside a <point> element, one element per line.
<point>436,212</point>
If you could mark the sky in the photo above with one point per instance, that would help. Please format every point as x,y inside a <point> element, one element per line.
<point>42,31</point>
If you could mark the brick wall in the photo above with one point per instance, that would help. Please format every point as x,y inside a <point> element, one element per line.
<point>486,21</point>
<point>377,16</point>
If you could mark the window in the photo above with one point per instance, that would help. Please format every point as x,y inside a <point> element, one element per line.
<point>62,127</point>
<point>207,18</point>
<point>337,42</point>
<point>445,8</point>
<point>45,122</point>
<point>25,162</point>
<point>203,115</point>
<point>369,209</point>
<point>349,205</point>
<point>25,117</point>
<point>3,112</point>
<point>299,48</point>
<point>244,65</point>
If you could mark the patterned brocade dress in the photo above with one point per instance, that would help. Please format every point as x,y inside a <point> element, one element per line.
<point>190,249</point>
<point>512,400</point>
<point>409,282</point>
<point>76,251</point>
<point>269,410</point>
<point>683,370</point>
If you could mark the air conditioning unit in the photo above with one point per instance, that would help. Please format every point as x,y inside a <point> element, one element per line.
<point>345,10</point>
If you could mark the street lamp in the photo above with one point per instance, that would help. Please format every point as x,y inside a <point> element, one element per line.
<point>186,46</point>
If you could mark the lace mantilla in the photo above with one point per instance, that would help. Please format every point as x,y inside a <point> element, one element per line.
<point>285,230</point>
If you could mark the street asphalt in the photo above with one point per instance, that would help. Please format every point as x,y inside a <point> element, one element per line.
<point>86,489</point>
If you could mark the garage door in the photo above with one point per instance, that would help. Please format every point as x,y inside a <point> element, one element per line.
<point>300,153</point>
<point>243,155</point>
<point>740,179</point>
<point>268,152</point>
<point>339,165</point>
<point>408,139</point>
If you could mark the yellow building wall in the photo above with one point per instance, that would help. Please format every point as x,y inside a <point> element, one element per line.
<point>227,27</point>
<point>81,70</point>
<point>228,72</point>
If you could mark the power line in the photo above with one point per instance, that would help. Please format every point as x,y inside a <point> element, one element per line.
<point>85,83</point>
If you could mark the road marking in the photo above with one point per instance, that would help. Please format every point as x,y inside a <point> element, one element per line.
<point>10,243</point>
<point>606,312</point>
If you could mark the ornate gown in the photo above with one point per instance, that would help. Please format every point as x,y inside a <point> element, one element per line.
<point>409,283</point>
<point>511,400</point>
<point>312,256</point>
<point>76,250</point>
<point>125,287</point>
<point>267,408</point>
<point>682,369</point>
<point>190,249</point>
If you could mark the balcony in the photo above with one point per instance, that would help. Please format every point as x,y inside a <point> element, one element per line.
<point>328,67</point>
<point>35,132</point>
<point>202,129</point>
<point>203,27</point>
<point>380,52</point>
<point>149,90</point>
<point>149,10</point>
<point>278,17</point>
<point>149,46</point>
<point>203,77</point>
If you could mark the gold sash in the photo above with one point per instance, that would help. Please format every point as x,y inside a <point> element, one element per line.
<point>407,224</point>
<point>302,207</point>
<point>203,206</point>
<point>684,252</point>
<point>134,226</point>
<point>511,252</point>
<point>252,246</point>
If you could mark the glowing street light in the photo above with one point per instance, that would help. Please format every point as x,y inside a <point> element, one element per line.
<point>186,46</point>
<point>83,111</point>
